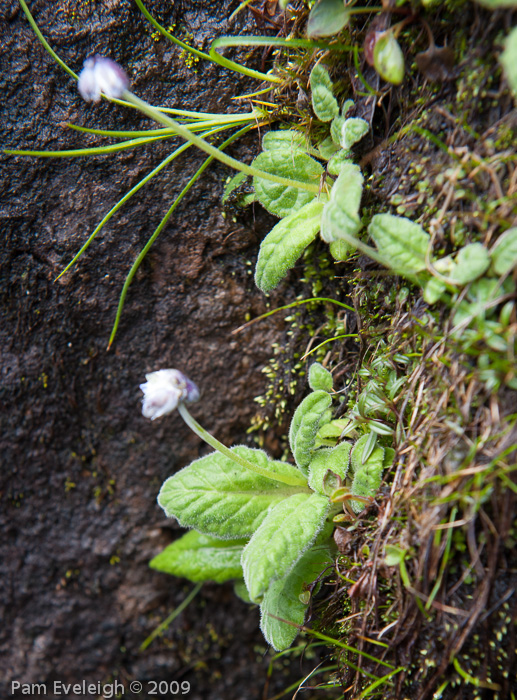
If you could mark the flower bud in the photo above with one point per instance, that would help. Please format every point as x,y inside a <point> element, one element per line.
<point>101,75</point>
<point>164,390</point>
<point>388,58</point>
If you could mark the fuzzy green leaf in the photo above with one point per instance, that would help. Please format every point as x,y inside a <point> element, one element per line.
<point>367,473</point>
<point>284,244</point>
<point>335,129</point>
<point>326,18</point>
<point>401,242</point>
<point>282,599</point>
<point>324,103</point>
<point>338,161</point>
<point>352,131</point>
<point>341,213</point>
<point>504,253</point>
<point>327,148</point>
<point>471,262</point>
<point>201,558</point>
<point>218,497</point>
<point>509,56</point>
<point>290,163</point>
<point>433,290</point>
<point>284,139</point>
<point>307,420</point>
<point>320,378</point>
<point>333,459</point>
<point>240,590</point>
<point>287,532</point>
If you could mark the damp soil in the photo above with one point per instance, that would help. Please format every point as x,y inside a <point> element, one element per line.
<point>81,468</point>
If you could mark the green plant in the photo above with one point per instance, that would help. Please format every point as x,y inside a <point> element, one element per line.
<point>263,523</point>
<point>187,125</point>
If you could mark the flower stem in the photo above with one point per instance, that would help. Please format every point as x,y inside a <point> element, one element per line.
<point>203,145</point>
<point>213,442</point>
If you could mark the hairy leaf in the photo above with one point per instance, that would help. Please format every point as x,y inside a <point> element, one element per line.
<point>341,213</point>
<point>218,497</point>
<point>401,242</point>
<point>326,18</point>
<point>282,599</point>
<point>433,290</point>
<point>284,139</point>
<point>504,253</point>
<point>240,590</point>
<point>352,131</point>
<point>307,420</point>
<point>287,532</point>
<point>324,103</point>
<point>471,262</point>
<point>327,148</point>
<point>320,378</point>
<point>509,56</point>
<point>291,163</point>
<point>367,474</point>
<point>335,129</point>
<point>201,558</point>
<point>284,244</point>
<point>338,161</point>
<point>333,459</point>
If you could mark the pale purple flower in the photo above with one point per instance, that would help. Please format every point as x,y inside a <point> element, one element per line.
<point>101,74</point>
<point>164,390</point>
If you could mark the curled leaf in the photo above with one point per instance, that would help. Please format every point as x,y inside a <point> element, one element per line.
<point>352,131</point>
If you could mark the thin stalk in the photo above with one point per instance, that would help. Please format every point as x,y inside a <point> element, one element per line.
<point>162,223</point>
<point>213,442</point>
<point>203,145</point>
<point>45,43</point>
<point>174,614</point>
<point>129,194</point>
<point>95,151</point>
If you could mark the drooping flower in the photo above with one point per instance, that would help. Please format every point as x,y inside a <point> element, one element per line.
<point>164,390</point>
<point>101,75</point>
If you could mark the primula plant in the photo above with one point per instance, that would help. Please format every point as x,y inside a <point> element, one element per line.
<point>263,523</point>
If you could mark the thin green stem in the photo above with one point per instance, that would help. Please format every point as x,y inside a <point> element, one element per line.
<point>161,225</point>
<point>174,614</point>
<point>213,442</point>
<point>96,151</point>
<point>129,194</point>
<point>290,306</point>
<point>203,145</point>
<point>45,43</point>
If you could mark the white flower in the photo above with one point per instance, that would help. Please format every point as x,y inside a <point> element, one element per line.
<point>101,75</point>
<point>164,390</point>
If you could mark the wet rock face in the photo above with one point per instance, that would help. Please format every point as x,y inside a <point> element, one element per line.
<point>81,466</point>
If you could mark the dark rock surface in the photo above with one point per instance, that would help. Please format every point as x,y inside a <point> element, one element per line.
<point>81,466</point>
